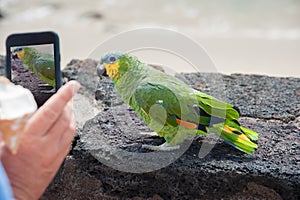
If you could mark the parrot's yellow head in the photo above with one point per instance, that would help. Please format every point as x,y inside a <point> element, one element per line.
<point>19,51</point>
<point>113,65</point>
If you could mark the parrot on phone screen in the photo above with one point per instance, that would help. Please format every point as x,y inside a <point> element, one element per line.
<point>41,64</point>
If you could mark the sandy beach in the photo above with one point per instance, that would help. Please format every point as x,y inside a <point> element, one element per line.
<point>257,37</point>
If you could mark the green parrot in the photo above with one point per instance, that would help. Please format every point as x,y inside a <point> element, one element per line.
<point>171,108</point>
<point>41,64</point>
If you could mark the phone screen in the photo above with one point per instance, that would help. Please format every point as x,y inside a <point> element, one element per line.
<point>33,67</point>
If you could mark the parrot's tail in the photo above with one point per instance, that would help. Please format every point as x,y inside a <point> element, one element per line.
<point>239,137</point>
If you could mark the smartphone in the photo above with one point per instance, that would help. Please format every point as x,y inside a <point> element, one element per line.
<point>33,61</point>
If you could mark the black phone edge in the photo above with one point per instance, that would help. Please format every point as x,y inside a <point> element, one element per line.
<point>35,38</point>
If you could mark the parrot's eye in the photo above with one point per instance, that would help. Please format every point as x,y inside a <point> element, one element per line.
<point>18,49</point>
<point>112,59</point>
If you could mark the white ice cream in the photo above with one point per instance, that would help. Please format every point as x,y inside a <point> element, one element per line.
<point>16,106</point>
<point>15,101</point>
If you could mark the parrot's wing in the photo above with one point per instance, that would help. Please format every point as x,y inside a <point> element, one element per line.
<point>148,94</point>
<point>195,107</point>
<point>44,68</point>
<point>215,107</point>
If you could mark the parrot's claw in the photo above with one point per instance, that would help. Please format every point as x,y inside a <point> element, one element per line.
<point>45,88</point>
<point>48,91</point>
<point>150,134</point>
<point>43,85</point>
<point>162,147</point>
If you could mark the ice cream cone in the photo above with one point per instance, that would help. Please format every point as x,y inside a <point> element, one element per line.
<point>12,131</point>
<point>16,106</point>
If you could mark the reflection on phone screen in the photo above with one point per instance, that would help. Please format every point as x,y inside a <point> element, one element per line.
<point>33,67</point>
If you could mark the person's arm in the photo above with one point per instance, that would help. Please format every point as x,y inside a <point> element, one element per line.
<point>5,190</point>
<point>46,142</point>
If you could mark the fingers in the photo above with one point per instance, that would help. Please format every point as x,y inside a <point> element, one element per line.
<point>62,132</point>
<point>59,137</point>
<point>62,123</point>
<point>47,115</point>
<point>66,140</point>
<point>58,149</point>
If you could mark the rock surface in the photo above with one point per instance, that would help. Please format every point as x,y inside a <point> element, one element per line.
<point>108,135</point>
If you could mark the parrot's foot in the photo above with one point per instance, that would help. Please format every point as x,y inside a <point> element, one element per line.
<point>162,147</point>
<point>48,91</point>
<point>45,88</point>
<point>43,84</point>
<point>150,134</point>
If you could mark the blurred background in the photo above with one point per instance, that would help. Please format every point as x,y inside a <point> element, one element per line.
<point>241,36</point>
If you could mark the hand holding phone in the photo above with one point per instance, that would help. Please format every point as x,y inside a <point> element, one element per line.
<point>33,61</point>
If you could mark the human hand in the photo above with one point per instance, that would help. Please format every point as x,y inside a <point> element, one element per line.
<point>46,141</point>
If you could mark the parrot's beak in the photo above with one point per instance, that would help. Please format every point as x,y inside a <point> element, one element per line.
<point>101,70</point>
<point>20,54</point>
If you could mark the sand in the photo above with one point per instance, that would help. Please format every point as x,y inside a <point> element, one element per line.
<point>255,38</point>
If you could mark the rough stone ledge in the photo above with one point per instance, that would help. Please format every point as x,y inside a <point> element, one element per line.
<point>269,105</point>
